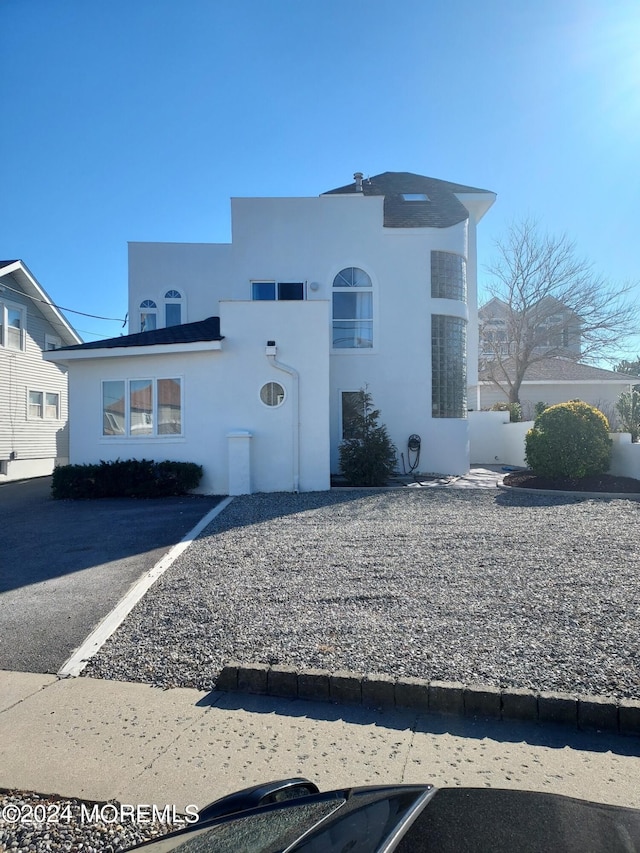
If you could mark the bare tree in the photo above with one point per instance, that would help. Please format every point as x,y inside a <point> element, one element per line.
<point>547,302</point>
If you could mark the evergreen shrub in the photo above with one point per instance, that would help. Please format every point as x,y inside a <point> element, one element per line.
<point>368,456</point>
<point>569,440</point>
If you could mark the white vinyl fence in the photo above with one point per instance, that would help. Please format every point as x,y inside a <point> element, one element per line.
<point>495,441</point>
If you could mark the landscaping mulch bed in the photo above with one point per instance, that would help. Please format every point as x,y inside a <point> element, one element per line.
<point>596,483</point>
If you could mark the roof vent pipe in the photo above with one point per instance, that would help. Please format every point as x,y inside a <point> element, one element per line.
<point>357,176</point>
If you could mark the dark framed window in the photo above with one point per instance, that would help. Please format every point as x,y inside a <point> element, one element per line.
<point>283,291</point>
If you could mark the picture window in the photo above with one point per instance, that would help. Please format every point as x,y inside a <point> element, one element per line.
<point>142,407</point>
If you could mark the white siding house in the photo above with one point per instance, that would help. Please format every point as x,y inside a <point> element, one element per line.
<point>33,392</point>
<point>557,380</point>
<point>370,284</point>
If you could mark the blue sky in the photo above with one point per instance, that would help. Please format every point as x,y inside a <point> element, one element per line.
<point>130,120</point>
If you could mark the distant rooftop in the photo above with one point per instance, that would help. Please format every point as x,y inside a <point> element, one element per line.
<point>559,369</point>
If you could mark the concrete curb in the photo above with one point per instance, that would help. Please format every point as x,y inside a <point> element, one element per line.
<point>589,713</point>
<point>630,496</point>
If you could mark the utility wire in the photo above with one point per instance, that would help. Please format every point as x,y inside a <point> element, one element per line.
<point>61,308</point>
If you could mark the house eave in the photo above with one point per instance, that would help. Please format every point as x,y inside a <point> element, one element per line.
<point>62,356</point>
<point>41,299</point>
<point>477,203</point>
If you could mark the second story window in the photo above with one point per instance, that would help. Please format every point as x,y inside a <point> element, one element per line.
<point>148,315</point>
<point>352,310</point>
<point>13,319</point>
<point>268,291</point>
<point>172,308</point>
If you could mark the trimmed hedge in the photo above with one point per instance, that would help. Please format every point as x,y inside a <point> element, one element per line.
<point>130,478</point>
<point>569,440</point>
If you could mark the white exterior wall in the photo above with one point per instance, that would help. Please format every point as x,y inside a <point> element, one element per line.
<point>201,272</point>
<point>310,240</point>
<point>485,436</point>
<point>221,394</point>
<point>625,456</point>
<point>499,442</point>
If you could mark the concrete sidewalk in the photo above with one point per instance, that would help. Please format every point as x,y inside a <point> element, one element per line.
<point>101,739</point>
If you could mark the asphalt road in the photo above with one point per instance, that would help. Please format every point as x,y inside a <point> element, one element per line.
<point>65,564</point>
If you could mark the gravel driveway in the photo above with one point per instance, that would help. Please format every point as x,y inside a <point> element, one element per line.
<point>473,586</point>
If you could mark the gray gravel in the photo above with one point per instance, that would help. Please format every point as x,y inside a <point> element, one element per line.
<point>30,822</point>
<point>480,587</point>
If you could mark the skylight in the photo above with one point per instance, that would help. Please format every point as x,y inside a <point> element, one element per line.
<point>415,197</point>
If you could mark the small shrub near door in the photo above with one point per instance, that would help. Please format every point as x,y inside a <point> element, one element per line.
<point>569,440</point>
<point>368,457</point>
<point>130,478</point>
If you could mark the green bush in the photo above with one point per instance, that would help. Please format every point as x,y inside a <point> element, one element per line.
<point>368,457</point>
<point>130,478</point>
<point>514,409</point>
<point>539,408</point>
<point>569,440</point>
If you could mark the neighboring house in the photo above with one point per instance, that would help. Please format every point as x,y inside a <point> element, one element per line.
<point>551,326</point>
<point>33,393</point>
<point>555,373</point>
<point>556,380</point>
<point>244,357</point>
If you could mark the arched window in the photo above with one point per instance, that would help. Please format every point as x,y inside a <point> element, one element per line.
<point>148,315</point>
<point>352,309</point>
<point>172,308</point>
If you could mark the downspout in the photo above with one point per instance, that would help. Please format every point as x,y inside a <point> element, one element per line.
<point>270,352</point>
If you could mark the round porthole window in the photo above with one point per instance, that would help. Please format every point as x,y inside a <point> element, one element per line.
<point>272,394</point>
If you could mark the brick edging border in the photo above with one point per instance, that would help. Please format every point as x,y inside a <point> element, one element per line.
<point>631,496</point>
<point>433,697</point>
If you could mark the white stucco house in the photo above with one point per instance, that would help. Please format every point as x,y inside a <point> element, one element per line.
<point>33,393</point>
<point>241,356</point>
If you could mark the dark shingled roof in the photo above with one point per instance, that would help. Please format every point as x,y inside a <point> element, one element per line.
<point>558,369</point>
<point>187,333</point>
<point>7,263</point>
<point>440,211</point>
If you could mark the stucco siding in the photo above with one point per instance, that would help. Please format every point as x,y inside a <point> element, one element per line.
<point>221,394</point>
<point>311,240</point>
